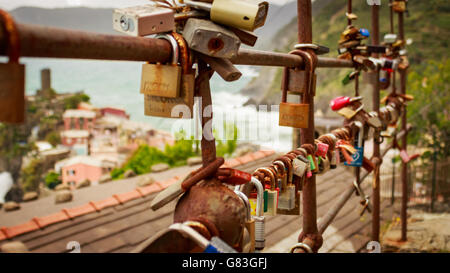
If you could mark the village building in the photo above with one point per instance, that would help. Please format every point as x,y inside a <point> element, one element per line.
<point>79,119</point>
<point>80,168</point>
<point>76,140</point>
<point>114,112</point>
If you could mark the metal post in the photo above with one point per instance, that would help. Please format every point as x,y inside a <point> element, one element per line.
<point>205,112</point>
<point>376,146</point>
<point>310,233</point>
<point>404,170</point>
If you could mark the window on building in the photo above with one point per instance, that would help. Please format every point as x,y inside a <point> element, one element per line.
<point>81,123</point>
<point>72,123</point>
<point>70,172</point>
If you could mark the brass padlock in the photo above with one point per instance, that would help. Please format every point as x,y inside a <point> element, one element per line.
<point>296,81</point>
<point>235,13</point>
<point>162,80</point>
<point>182,106</point>
<point>297,114</point>
<point>12,77</point>
<point>399,6</point>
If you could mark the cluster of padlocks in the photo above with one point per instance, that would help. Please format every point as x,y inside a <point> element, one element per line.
<point>212,28</point>
<point>216,30</point>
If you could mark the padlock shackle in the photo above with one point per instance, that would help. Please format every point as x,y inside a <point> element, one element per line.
<point>260,196</point>
<point>184,53</point>
<point>173,43</point>
<point>270,174</point>
<point>244,198</point>
<point>9,26</point>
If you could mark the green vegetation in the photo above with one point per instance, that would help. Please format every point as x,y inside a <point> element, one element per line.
<point>73,101</point>
<point>175,155</point>
<point>31,175</point>
<point>52,180</point>
<point>429,112</point>
<point>428,25</point>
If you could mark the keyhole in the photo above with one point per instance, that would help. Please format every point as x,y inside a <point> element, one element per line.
<point>215,44</point>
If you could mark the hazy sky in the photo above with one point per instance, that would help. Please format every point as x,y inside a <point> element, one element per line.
<point>12,4</point>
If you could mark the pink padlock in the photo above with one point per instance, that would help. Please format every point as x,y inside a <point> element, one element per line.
<point>342,101</point>
<point>322,149</point>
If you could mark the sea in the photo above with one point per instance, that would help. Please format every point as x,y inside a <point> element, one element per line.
<point>116,83</point>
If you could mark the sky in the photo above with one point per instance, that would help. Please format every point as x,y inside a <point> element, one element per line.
<point>12,4</point>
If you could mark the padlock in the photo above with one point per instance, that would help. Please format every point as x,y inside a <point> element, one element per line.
<point>348,112</point>
<point>211,39</point>
<point>390,38</point>
<point>182,106</point>
<point>343,101</point>
<point>181,237</point>
<point>357,157</point>
<point>297,114</point>
<point>162,80</point>
<point>235,13</point>
<point>247,245</point>
<point>399,6</point>
<point>258,214</point>
<point>12,76</point>
<point>287,197</point>
<point>271,192</point>
<point>322,149</point>
<point>296,81</point>
<point>144,20</point>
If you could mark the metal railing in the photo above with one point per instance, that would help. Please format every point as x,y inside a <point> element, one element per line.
<point>38,41</point>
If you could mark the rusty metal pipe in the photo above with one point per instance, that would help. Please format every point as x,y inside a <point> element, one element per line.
<point>226,70</point>
<point>404,176</point>
<point>328,218</point>
<point>40,41</point>
<point>376,145</point>
<point>310,231</point>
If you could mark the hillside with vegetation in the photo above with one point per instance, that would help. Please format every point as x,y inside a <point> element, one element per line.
<point>427,25</point>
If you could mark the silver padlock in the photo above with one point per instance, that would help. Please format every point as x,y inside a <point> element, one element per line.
<point>248,239</point>
<point>211,39</point>
<point>143,20</point>
<point>260,220</point>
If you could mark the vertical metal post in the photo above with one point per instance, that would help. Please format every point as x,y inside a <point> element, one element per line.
<point>208,142</point>
<point>349,10</point>
<point>376,145</point>
<point>404,170</point>
<point>310,233</point>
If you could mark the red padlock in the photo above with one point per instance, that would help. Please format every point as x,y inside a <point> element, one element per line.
<point>322,149</point>
<point>342,101</point>
<point>233,176</point>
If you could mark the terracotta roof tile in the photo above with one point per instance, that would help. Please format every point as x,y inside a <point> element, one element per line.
<point>231,163</point>
<point>127,196</point>
<point>80,210</point>
<point>50,219</point>
<point>167,182</point>
<point>108,202</point>
<point>268,152</point>
<point>2,234</point>
<point>258,155</point>
<point>245,159</point>
<point>20,229</point>
<point>155,187</point>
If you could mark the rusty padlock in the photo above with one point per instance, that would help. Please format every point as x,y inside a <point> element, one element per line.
<point>182,105</point>
<point>233,176</point>
<point>297,114</point>
<point>12,76</point>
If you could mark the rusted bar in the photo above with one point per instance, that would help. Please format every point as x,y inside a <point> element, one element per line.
<point>404,177</point>
<point>376,145</point>
<point>39,41</point>
<point>309,232</point>
<point>206,113</point>
<point>349,10</point>
<point>328,218</point>
<point>223,67</point>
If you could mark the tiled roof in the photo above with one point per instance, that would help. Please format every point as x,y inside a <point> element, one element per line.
<point>40,223</point>
<point>72,113</point>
